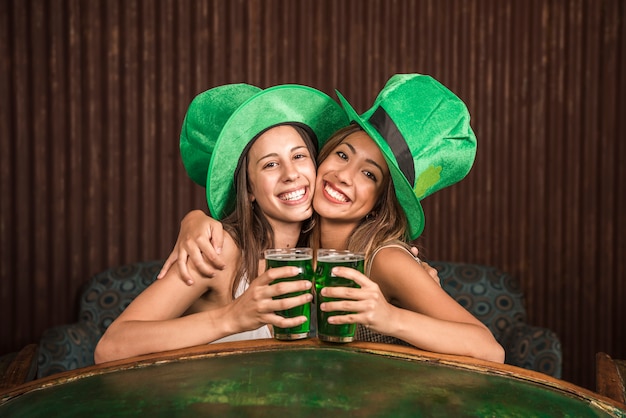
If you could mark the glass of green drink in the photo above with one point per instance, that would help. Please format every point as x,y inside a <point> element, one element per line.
<point>298,257</point>
<point>326,260</point>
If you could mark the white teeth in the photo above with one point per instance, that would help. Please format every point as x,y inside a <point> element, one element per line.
<point>335,194</point>
<point>295,195</point>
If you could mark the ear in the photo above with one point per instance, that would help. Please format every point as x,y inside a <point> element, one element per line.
<point>251,197</point>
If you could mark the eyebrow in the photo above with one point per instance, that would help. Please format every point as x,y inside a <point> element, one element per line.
<point>349,145</point>
<point>275,154</point>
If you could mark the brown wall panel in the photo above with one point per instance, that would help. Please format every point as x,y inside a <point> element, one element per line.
<point>93,94</point>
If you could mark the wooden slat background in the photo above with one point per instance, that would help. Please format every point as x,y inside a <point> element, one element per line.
<point>92,96</point>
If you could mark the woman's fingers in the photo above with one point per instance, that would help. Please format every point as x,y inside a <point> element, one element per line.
<point>285,288</point>
<point>348,318</point>
<point>217,241</point>
<point>210,260</point>
<point>289,302</point>
<point>337,292</point>
<point>352,274</point>
<point>364,304</point>
<point>169,262</point>
<point>274,274</point>
<point>433,272</point>
<point>279,321</point>
<point>282,294</point>
<point>182,267</point>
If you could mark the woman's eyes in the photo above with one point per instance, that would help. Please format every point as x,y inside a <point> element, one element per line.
<point>342,155</point>
<point>368,174</point>
<point>272,164</point>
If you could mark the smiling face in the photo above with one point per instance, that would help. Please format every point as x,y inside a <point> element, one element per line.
<point>281,175</point>
<point>350,180</point>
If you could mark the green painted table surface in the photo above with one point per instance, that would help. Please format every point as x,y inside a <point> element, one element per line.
<point>302,380</point>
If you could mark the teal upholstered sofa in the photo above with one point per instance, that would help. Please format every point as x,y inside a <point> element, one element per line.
<point>496,298</point>
<point>491,295</point>
<point>103,298</point>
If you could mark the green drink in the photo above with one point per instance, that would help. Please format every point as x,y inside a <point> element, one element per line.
<point>326,260</point>
<point>298,257</point>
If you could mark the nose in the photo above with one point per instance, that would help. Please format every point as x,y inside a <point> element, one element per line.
<point>344,175</point>
<point>291,172</point>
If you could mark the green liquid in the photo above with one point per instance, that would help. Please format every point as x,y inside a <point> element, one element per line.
<point>304,262</point>
<point>324,278</point>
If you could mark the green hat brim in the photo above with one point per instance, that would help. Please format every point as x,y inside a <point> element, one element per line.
<point>206,116</point>
<point>404,192</point>
<point>270,107</point>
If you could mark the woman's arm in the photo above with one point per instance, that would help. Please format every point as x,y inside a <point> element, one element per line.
<point>403,301</point>
<point>148,325</point>
<point>153,322</point>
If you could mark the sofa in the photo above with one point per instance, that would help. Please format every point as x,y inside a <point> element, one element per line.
<point>497,300</point>
<point>490,294</point>
<point>103,297</point>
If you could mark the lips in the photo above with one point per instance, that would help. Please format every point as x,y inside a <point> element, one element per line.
<point>293,195</point>
<point>335,194</point>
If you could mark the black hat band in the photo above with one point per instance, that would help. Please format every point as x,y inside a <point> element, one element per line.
<point>386,127</point>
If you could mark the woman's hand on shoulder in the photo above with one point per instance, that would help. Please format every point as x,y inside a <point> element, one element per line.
<point>199,243</point>
<point>429,269</point>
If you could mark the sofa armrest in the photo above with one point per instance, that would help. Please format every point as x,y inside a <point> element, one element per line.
<point>18,368</point>
<point>67,347</point>
<point>533,347</point>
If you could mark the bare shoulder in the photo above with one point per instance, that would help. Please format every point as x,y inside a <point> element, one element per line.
<point>394,258</point>
<point>231,255</point>
<point>230,250</point>
<point>217,290</point>
<point>396,271</point>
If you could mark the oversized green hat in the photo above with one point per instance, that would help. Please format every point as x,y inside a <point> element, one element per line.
<point>424,133</point>
<point>222,121</point>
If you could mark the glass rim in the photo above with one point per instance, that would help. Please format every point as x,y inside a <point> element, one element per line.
<point>332,251</point>
<point>289,250</point>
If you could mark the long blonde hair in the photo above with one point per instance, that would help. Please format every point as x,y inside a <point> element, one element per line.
<point>248,225</point>
<point>386,222</point>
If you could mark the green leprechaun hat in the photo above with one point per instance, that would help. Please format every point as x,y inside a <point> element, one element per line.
<point>221,122</point>
<point>424,133</point>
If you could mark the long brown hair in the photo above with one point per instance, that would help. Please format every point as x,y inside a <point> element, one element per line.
<point>248,225</point>
<point>386,222</point>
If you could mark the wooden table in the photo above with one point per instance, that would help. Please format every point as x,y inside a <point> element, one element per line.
<point>301,379</point>
<point>611,377</point>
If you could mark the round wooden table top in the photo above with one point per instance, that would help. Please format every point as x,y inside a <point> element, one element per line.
<point>300,379</point>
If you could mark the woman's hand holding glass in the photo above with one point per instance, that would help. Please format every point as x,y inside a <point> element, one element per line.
<point>365,305</point>
<point>257,306</point>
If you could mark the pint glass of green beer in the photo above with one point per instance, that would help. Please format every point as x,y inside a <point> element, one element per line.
<point>298,257</point>
<point>326,260</point>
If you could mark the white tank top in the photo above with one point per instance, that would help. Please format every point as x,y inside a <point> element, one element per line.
<point>259,333</point>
